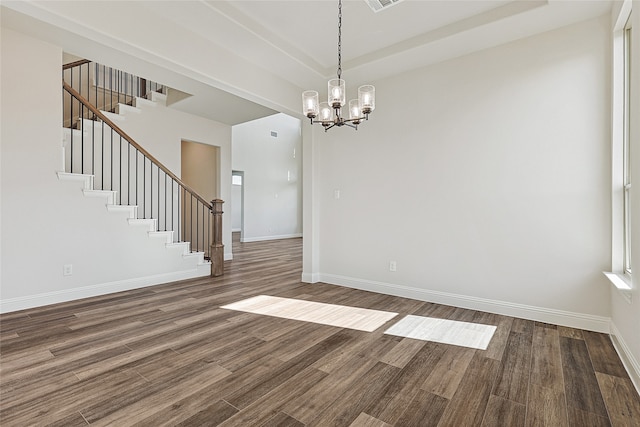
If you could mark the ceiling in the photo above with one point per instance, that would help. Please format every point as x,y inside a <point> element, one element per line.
<point>293,40</point>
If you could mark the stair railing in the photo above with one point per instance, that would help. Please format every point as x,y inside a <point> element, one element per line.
<point>104,87</point>
<point>95,145</point>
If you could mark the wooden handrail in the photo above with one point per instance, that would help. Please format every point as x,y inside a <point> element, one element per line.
<point>75,64</point>
<point>131,141</point>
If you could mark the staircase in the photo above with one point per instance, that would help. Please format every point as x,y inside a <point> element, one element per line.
<point>111,166</point>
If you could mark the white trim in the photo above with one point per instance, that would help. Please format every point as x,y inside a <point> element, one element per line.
<point>139,102</point>
<point>539,314</point>
<point>236,230</point>
<point>630,363</point>
<point>65,295</point>
<point>618,113</point>
<point>623,15</point>
<point>621,282</point>
<point>265,238</point>
<point>86,180</point>
<point>310,277</point>
<point>228,256</point>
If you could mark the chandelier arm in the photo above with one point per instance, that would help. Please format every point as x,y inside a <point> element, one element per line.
<point>322,122</point>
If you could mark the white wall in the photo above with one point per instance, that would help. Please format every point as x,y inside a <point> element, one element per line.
<point>272,176</point>
<point>47,223</point>
<point>626,315</point>
<point>486,178</point>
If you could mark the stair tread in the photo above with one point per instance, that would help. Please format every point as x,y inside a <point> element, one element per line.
<point>145,102</point>
<point>121,108</point>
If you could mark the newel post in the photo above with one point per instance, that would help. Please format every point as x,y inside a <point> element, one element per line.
<point>217,248</point>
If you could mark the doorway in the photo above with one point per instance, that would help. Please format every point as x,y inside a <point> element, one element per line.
<point>237,203</point>
<point>200,170</point>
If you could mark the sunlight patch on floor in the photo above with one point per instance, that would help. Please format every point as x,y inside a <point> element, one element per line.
<point>361,319</point>
<point>464,334</point>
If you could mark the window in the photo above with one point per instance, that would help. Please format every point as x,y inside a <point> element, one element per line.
<point>626,163</point>
<point>620,275</point>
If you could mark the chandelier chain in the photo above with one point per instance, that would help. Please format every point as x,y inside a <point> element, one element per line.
<point>339,38</point>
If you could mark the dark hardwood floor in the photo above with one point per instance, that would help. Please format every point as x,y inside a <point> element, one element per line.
<point>169,355</point>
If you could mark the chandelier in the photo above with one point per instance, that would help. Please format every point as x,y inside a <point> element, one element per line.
<point>329,114</point>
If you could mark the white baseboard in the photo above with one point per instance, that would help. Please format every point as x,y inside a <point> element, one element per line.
<point>228,256</point>
<point>310,277</point>
<point>65,295</point>
<point>539,314</point>
<point>264,238</point>
<point>628,360</point>
<point>236,230</point>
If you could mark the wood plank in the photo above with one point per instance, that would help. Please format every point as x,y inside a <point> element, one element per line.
<point>503,324</point>
<point>603,355</point>
<point>365,420</point>
<point>424,410</point>
<point>504,412</point>
<point>70,398</point>
<point>581,386</point>
<point>546,407</point>
<point>619,395</point>
<point>20,362</point>
<point>282,420</point>
<point>545,325</point>
<point>402,390</point>
<point>299,340</point>
<point>403,352</point>
<point>145,399</point>
<point>468,405</point>
<point>446,376</point>
<point>244,396</point>
<point>73,420</point>
<point>564,331</point>
<point>37,378</point>
<point>522,326</point>
<point>363,393</point>
<point>354,345</point>
<point>18,393</point>
<point>462,315</point>
<point>512,382</point>
<point>578,417</point>
<point>318,398</point>
<point>546,361</point>
<point>261,410</point>
<point>211,415</point>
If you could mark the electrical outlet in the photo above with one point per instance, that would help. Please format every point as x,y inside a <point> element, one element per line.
<point>392,266</point>
<point>67,270</point>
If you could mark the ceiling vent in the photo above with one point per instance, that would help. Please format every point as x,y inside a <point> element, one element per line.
<point>378,5</point>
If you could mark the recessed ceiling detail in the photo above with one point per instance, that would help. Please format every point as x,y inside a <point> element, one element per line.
<point>266,51</point>
<point>378,5</point>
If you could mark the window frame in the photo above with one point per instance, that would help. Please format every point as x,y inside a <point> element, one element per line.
<point>620,274</point>
<point>626,149</point>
